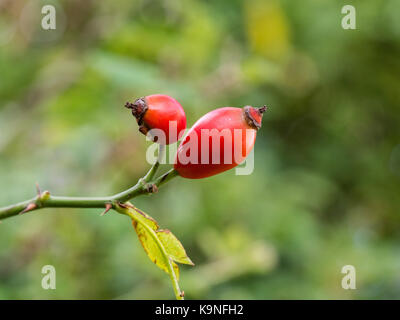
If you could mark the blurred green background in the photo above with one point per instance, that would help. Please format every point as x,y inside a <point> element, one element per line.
<point>326,184</point>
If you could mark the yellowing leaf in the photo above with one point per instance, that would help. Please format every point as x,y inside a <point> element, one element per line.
<point>174,247</point>
<point>151,247</point>
<point>153,250</point>
<point>161,246</point>
<point>142,217</point>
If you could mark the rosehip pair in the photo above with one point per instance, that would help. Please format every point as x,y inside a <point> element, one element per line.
<point>234,130</point>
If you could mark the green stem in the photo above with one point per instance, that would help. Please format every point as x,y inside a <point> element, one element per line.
<point>140,187</point>
<point>150,175</point>
<point>45,200</point>
<point>53,202</point>
<point>163,179</point>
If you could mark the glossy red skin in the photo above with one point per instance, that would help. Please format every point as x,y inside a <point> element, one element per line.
<point>161,110</point>
<point>223,118</point>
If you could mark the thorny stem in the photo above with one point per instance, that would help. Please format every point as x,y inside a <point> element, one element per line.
<point>145,185</point>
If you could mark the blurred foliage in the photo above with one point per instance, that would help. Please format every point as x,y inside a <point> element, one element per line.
<point>325,189</point>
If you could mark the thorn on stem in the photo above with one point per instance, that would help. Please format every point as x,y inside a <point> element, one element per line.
<point>41,196</point>
<point>182,294</point>
<point>29,207</point>
<point>38,190</point>
<point>151,188</point>
<point>108,208</point>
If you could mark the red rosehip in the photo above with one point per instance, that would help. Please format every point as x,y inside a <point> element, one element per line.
<point>161,112</point>
<point>218,141</point>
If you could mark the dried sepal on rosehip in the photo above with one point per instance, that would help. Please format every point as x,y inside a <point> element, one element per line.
<point>159,113</point>
<point>218,141</point>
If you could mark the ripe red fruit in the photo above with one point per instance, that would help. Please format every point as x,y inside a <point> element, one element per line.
<point>159,111</point>
<point>234,133</point>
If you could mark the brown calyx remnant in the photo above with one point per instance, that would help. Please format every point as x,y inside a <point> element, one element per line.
<point>253,116</point>
<point>139,108</point>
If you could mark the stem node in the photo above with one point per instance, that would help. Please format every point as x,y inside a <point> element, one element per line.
<point>146,185</point>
